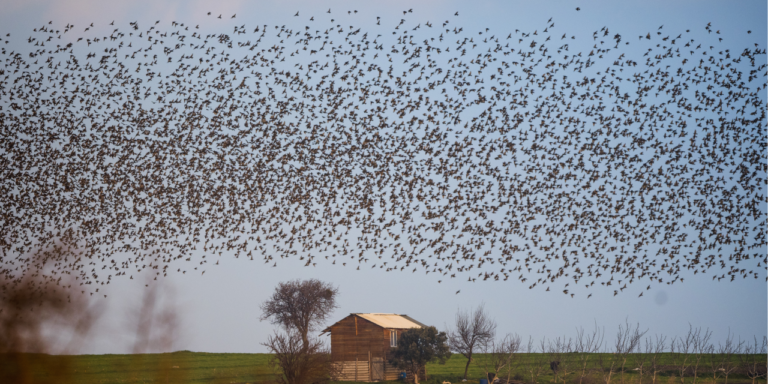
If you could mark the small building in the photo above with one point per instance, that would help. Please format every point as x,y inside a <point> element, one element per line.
<point>360,344</point>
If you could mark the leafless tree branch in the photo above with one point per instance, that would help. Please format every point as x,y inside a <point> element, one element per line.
<point>473,331</point>
<point>303,306</point>
<point>295,362</point>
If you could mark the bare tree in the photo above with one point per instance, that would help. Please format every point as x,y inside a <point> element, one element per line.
<point>607,362</point>
<point>641,364</point>
<point>753,359</point>
<point>654,349</point>
<point>534,361</point>
<point>559,352</point>
<point>764,352</point>
<point>303,306</point>
<point>627,341</point>
<point>501,357</point>
<point>554,355</point>
<point>727,353</point>
<point>681,352</point>
<point>700,348</point>
<point>714,362</point>
<point>473,331</point>
<point>513,346</point>
<point>586,346</point>
<point>298,362</point>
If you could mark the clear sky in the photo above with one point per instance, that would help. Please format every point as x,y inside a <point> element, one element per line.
<point>219,311</point>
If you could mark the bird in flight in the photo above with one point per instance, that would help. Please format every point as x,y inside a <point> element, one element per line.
<point>454,154</point>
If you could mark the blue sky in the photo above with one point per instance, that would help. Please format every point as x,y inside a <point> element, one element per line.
<point>218,312</point>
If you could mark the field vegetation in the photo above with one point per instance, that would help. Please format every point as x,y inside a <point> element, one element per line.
<point>199,367</point>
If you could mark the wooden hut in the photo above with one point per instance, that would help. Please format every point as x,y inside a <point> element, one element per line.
<point>360,344</point>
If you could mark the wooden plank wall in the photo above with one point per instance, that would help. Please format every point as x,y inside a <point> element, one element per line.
<point>369,340</point>
<point>348,373</point>
<point>353,371</point>
<point>391,373</point>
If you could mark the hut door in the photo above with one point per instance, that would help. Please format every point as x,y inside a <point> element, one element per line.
<point>377,369</point>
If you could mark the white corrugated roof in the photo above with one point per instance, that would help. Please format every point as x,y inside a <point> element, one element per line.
<point>390,320</point>
<point>386,320</point>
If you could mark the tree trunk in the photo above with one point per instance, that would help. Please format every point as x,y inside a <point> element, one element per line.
<point>304,339</point>
<point>466,369</point>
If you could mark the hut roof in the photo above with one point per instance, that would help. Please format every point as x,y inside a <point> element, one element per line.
<point>386,320</point>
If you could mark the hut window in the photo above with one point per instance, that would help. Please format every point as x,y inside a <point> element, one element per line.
<point>393,338</point>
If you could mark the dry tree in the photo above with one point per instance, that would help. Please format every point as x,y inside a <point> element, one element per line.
<point>553,356</point>
<point>640,363</point>
<point>534,360</point>
<point>302,306</point>
<point>501,357</point>
<point>721,359</point>
<point>654,348</point>
<point>607,362</point>
<point>586,345</point>
<point>559,351</point>
<point>680,348</point>
<point>296,361</point>
<point>727,353</point>
<point>700,348</point>
<point>764,352</point>
<point>473,331</point>
<point>628,339</point>
<point>753,359</point>
<point>714,362</point>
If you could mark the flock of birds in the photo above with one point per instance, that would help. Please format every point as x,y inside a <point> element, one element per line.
<point>419,148</point>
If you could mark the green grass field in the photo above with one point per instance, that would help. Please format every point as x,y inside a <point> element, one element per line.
<point>198,367</point>
<point>177,367</point>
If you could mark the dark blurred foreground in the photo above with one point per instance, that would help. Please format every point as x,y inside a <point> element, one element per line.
<point>44,322</point>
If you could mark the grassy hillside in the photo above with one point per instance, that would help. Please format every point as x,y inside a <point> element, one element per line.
<point>177,367</point>
<point>198,367</point>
